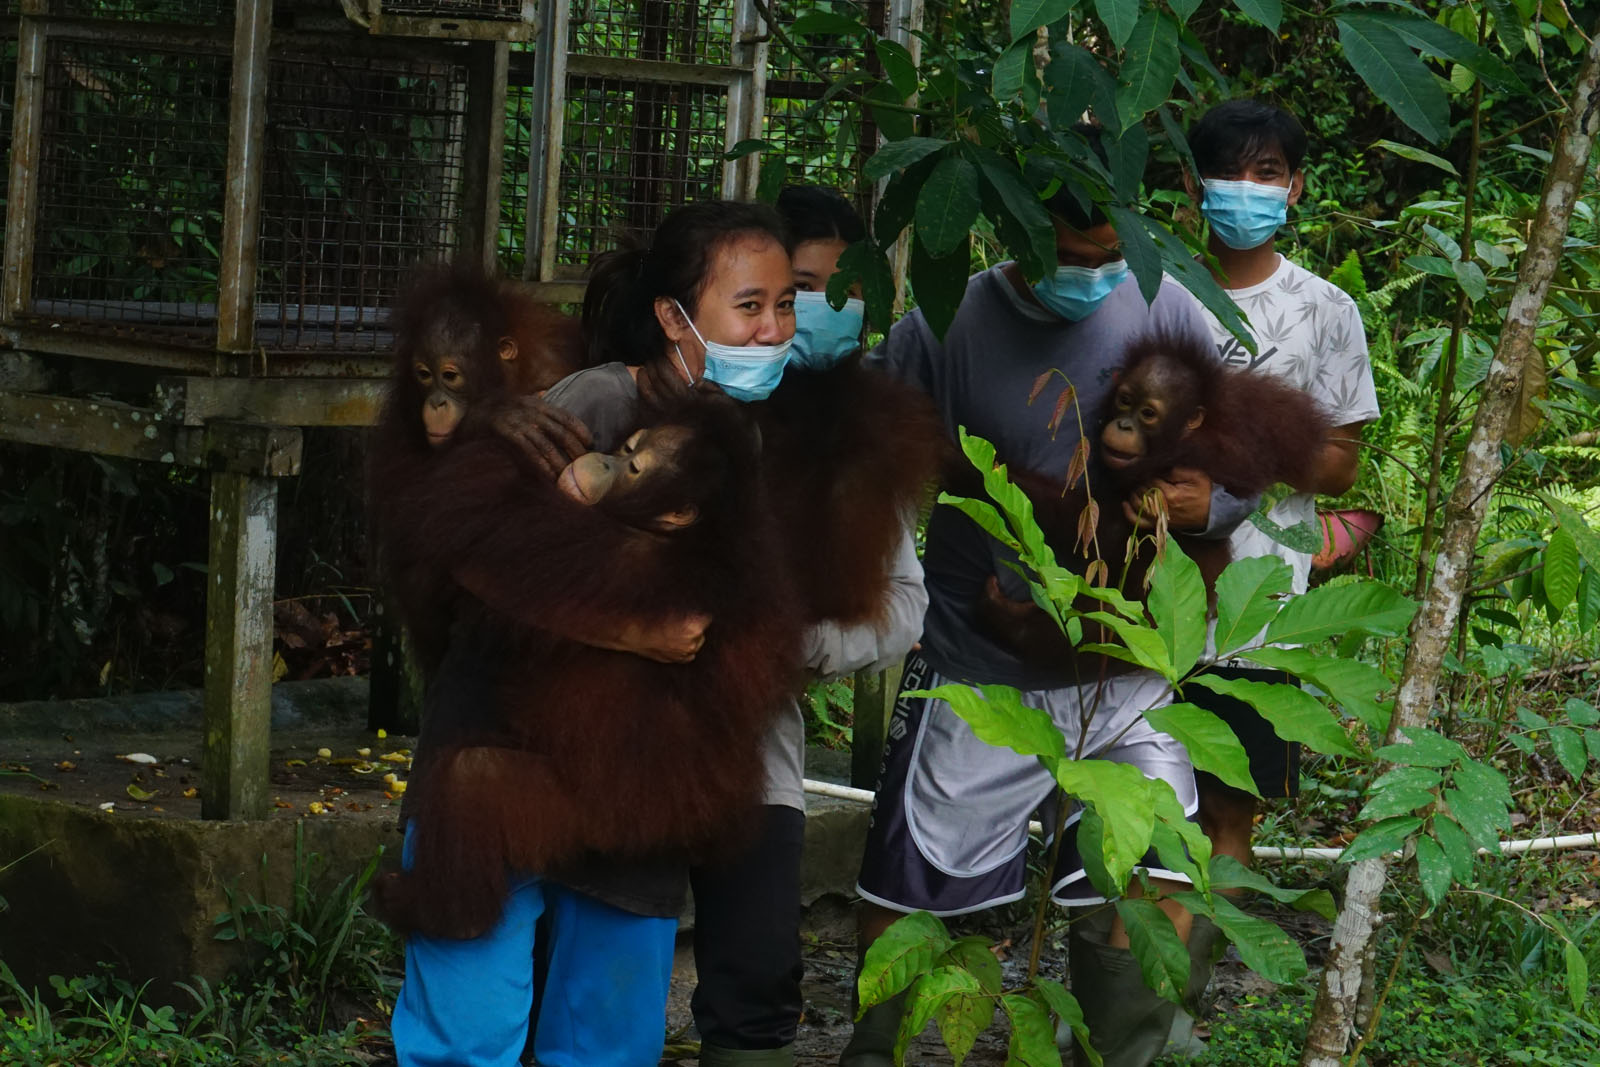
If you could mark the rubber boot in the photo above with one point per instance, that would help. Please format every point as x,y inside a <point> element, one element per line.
<point>1128,1022</point>
<point>872,1041</point>
<point>716,1056</point>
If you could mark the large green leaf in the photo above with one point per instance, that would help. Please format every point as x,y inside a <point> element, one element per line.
<point>1577,974</point>
<point>1073,80</point>
<point>932,993</point>
<point>1011,500</point>
<point>1029,15</point>
<point>1433,870</point>
<point>1457,846</point>
<point>1140,644</point>
<point>1381,838</point>
<point>947,206</point>
<point>1247,592</point>
<point>1422,747</point>
<point>1123,798</point>
<point>897,155</point>
<point>1065,1006</point>
<point>1177,604</point>
<point>1002,176</point>
<point>1262,946</point>
<point>938,283</point>
<point>1584,537</point>
<point>1441,42</point>
<point>1295,715</point>
<point>998,716</point>
<point>1267,12</point>
<point>1481,817</point>
<point>1389,67</point>
<point>1148,68</point>
<point>1212,746</point>
<point>1352,684</point>
<point>1119,16</point>
<point>1179,261</point>
<point>1229,873</point>
<point>1335,610</point>
<point>898,66</point>
<point>1129,154</point>
<point>1170,816</point>
<point>974,953</point>
<point>1033,1039</point>
<point>1560,573</point>
<point>1162,956</point>
<point>863,262</point>
<point>1144,258</point>
<point>1010,70</point>
<point>1568,746</point>
<point>900,955</point>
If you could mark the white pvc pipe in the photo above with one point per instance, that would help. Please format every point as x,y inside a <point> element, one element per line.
<point>1264,852</point>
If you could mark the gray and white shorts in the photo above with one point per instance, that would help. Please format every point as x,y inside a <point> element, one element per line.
<point>949,830</point>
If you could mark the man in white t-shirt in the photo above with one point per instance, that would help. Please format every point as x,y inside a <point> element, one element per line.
<point>1308,333</point>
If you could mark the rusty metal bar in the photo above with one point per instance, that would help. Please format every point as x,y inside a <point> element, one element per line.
<point>27,129</point>
<point>747,101</point>
<point>241,227</point>
<point>545,141</point>
<point>483,154</point>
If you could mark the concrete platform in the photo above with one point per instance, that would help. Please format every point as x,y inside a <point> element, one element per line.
<point>140,883</point>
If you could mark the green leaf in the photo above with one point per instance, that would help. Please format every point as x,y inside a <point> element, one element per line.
<point>1398,799</point>
<point>1192,852</point>
<point>1389,67</point>
<point>898,155</point>
<point>1481,817</point>
<point>1119,17</point>
<point>1065,1006</point>
<point>825,23</point>
<point>1073,80</point>
<point>1577,975</point>
<point>1262,946</point>
<point>997,716</point>
<point>1589,599</point>
<point>1123,798</point>
<point>1381,838</point>
<point>1267,12</point>
<point>1140,644</point>
<point>1149,68</point>
<point>1143,257</point>
<point>939,283</point>
<point>1441,42</point>
<point>1560,569</point>
<point>902,954</point>
<point>1581,712</point>
<point>1229,873</point>
<point>1417,155</point>
<point>932,993</point>
<point>1177,604</point>
<point>1480,779</point>
<point>1335,610</point>
<point>947,206</point>
<point>1470,276</point>
<point>1179,261</point>
<point>1029,15</point>
<point>1183,8</point>
<point>898,66</point>
<point>1568,746</point>
<point>863,262</point>
<point>1425,749</point>
<point>1128,154</point>
<point>1353,684</point>
<point>1295,715</point>
<point>975,955</point>
<point>1212,746</point>
<point>1002,176</point>
<point>1409,778</point>
<point>1584,538</point>
<point>1433,870</point>
<point>1246,598</point>
<point>1456,845</point>
<point>1162,956</point>
<point>1010,70</point>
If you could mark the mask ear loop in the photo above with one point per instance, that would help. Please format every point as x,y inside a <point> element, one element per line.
<point>687,376</point>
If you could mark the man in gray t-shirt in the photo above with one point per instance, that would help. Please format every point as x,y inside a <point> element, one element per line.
<point>949,828</point>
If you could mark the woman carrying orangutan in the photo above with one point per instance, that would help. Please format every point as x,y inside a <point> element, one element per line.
<point>714,295</point>
<point>846,454</point>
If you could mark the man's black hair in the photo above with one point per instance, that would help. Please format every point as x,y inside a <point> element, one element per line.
<point>1234,133</point>
<point>812,213</point>
<point>1064,205</point>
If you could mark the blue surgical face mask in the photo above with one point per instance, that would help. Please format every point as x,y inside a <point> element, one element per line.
<point>1074,292</point>
<point>822,336</point>
<point>744,372</point>
<point>1244,214</point>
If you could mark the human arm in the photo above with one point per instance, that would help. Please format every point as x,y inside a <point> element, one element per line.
<point>832,650</point>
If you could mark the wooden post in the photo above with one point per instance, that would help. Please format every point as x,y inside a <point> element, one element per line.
<point>875,697</point>
<point>241,219</point>
<point>546,137</point>
<point>483,154</point>
<point>27,128</point>
<point>238,685</point>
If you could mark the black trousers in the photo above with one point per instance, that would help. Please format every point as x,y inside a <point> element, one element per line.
<point>747,939</point>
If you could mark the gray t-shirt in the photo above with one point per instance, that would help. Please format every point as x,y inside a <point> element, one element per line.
<point>979,378</point>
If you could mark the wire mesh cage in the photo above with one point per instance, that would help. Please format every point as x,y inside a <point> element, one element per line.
<point>363,180</point>
<point>521,120</point>
<point>680,31</point>
<point>131,176</point>
<point>179,12</point>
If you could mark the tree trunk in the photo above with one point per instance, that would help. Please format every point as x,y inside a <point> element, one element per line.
<point>1332,1018</point>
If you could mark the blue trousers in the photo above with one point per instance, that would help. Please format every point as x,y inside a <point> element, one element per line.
<point>466,1003</point>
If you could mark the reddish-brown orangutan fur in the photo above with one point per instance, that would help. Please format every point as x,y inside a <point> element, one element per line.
<point>592,751</point>
<point>477,312</point>
<point>849,454</point>
<point>1257,431</point>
